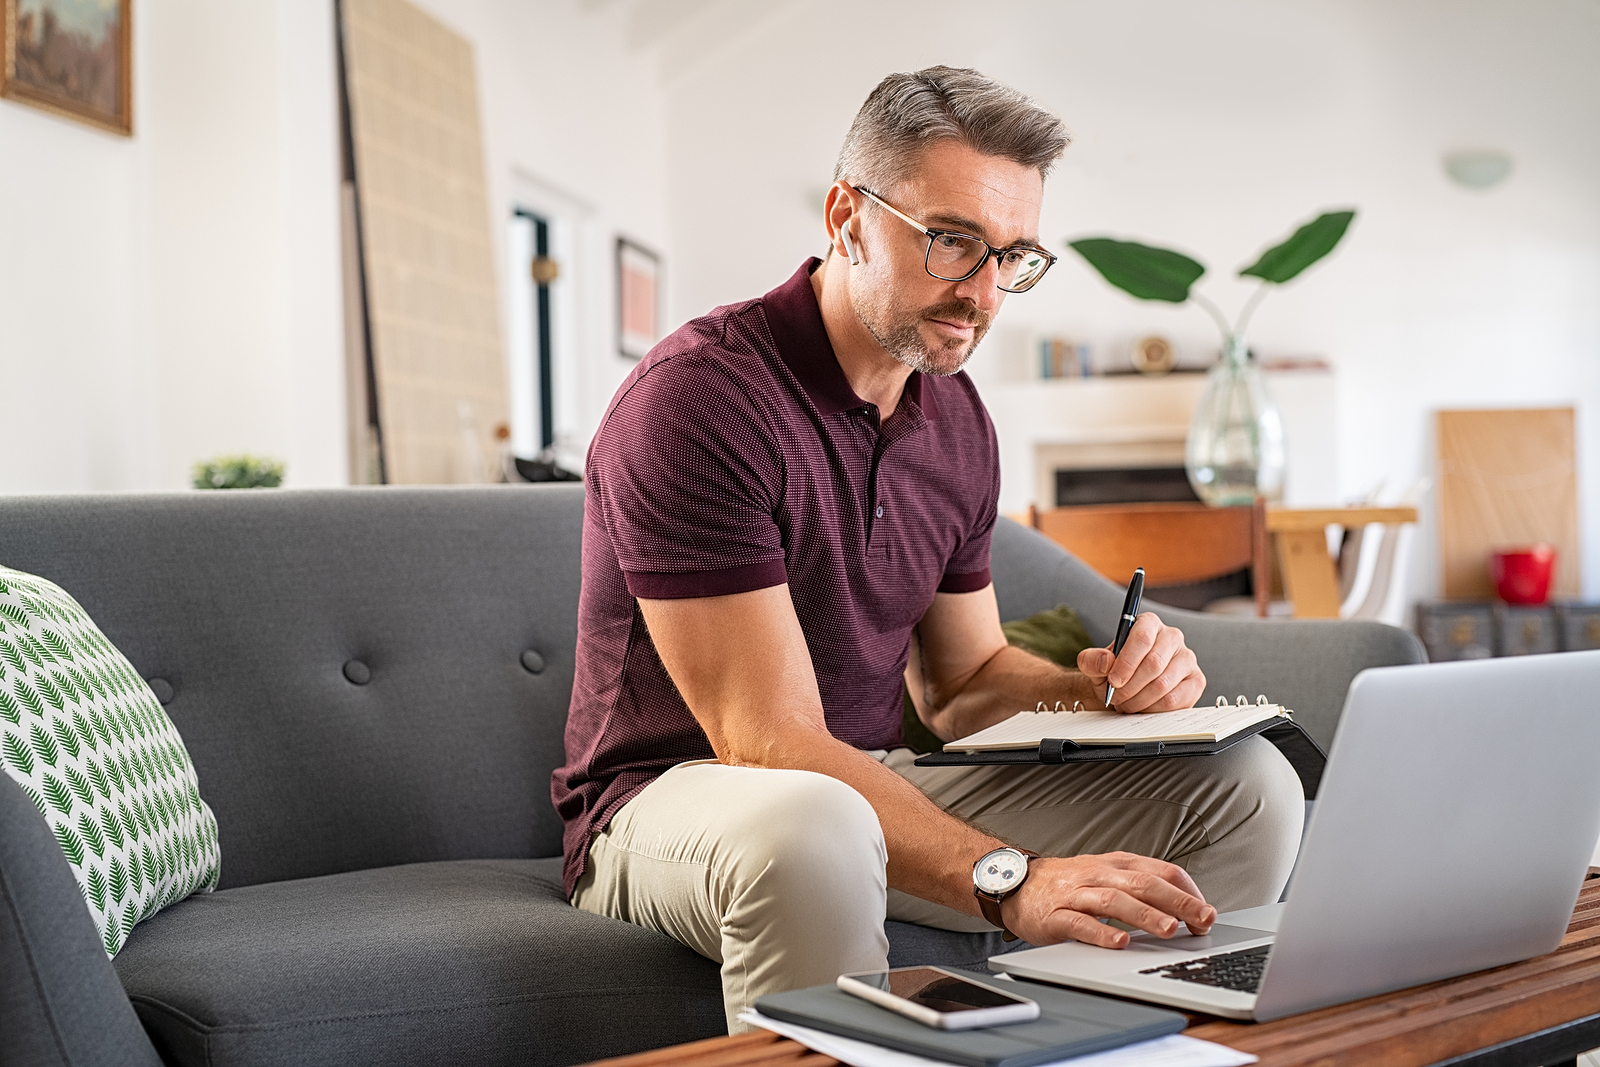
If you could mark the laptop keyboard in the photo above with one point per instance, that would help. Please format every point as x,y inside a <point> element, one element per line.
<point>1227,970</point>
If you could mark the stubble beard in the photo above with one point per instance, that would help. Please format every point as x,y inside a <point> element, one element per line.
<point>903,339</point>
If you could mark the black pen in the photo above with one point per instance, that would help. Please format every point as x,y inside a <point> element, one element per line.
<point>1130,611</point>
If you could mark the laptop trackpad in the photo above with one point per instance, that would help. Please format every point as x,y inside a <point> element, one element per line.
<point>1220,937</point>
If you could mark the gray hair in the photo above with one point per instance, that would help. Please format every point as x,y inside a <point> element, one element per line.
<point>909,113</point>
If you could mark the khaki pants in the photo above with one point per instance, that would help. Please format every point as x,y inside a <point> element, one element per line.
<point>779,875</point>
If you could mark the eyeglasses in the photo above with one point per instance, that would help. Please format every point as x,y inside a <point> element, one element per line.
<point>955,257</point>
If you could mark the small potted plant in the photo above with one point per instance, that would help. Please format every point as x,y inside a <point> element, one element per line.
<point>238,472</point>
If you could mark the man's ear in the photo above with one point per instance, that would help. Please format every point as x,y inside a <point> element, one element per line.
<point>840,210</point>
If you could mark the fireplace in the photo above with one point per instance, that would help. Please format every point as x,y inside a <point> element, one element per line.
<point>1122,485</point>
<point>1134,471</point>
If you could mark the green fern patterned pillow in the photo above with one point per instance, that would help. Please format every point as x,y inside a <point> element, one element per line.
<point>87,740</point>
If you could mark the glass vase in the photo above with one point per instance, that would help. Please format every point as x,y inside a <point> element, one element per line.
<point>1235,447</point>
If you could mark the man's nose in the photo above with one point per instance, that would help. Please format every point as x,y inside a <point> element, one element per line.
<point>983,288</point>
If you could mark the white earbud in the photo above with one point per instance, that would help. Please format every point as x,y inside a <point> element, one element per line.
<point>849,248</point>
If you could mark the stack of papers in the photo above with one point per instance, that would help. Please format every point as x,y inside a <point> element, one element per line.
<point>1174,1050</point>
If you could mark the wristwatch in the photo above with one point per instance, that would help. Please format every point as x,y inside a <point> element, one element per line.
<point>996,876</point>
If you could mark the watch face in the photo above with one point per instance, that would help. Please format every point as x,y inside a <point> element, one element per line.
<point>1000,871</point>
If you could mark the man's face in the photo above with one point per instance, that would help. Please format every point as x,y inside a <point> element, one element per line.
<point>928,324</point>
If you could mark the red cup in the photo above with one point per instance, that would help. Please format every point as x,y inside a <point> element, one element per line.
<point>1522,574</point>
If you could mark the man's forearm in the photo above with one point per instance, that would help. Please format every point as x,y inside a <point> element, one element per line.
<point>1008,682</point>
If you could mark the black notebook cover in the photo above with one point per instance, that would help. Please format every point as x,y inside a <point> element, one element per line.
<point>1297,746</point>
<point>1069,1024</point>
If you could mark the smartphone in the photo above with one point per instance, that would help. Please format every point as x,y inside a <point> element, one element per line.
<point>939,998</point>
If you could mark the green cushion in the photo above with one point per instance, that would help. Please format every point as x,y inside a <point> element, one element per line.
<point>88,742</point>
<point>1057,635</point>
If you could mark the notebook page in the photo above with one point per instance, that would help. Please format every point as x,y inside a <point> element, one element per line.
<point>1026,729</point>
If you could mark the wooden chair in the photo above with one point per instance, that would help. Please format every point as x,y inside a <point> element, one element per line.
<point>1175,543</point>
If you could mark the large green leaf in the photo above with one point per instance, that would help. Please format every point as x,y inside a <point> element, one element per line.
<point>1304,247</point>
<point>1140,270</point>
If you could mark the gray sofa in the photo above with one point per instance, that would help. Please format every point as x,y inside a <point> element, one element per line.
<point>372,684</point>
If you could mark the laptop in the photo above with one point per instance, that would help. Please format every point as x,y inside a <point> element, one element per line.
<point>1452,832</point>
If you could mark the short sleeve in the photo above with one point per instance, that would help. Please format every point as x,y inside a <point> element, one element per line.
<point>687,480</point>
<point>968,569</point>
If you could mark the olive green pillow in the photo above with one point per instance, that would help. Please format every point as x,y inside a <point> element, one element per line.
<point>1057,635</point>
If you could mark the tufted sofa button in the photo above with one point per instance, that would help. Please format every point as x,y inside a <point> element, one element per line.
<point>357,672</point>
<point>532,662</point>
<point>161,688</point>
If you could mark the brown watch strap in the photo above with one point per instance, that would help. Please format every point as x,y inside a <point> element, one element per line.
<point>991,914</point>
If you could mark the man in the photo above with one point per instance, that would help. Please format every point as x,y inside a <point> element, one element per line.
<point>788,519</point>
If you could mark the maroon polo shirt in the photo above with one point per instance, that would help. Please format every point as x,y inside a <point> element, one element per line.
<point>737,457</point>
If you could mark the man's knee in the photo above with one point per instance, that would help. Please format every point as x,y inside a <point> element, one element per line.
<point>1268,794</point>
<point>808,832</point>
<point>1264,770</point>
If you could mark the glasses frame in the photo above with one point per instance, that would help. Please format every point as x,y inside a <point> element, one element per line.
<point>989,249</point>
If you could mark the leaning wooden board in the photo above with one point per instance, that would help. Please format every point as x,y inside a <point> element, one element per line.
<point>1506,477</point>
<point>1411,1028</point>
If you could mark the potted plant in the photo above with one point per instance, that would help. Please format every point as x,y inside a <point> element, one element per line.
<point>1235,448</point>
<point>238,472</point>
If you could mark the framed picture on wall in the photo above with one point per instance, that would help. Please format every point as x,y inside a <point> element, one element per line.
<point>638,299</point>
<point>70,57</point>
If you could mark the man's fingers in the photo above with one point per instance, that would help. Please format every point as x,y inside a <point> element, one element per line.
<point>1094,663</point>
<point>1141,639</point>
<point>1170,873</point>
<point>1164,885</point>
<point>1139,673</point>
<point>1164,897</point>
<point>1164,690</point>
<point>1065,925</point>
<point>1186,694</point>
<point>1111,903</point>
<point>1144,893</point>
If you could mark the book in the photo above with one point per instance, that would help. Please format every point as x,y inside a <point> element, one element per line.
<point>1070,1024</point>
<point>1027,729</point>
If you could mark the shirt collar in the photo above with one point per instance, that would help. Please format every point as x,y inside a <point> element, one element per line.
<point>796,324</point>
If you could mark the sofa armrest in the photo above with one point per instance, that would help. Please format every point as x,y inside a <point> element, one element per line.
<point>1306,665</point>
<point>60,1001</point>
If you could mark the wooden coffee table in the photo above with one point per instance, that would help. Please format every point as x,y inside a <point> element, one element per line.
<point>1539,1012</point>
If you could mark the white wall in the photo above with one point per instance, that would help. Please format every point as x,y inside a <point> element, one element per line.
<point>1216,128</point>
<point>174,295</point>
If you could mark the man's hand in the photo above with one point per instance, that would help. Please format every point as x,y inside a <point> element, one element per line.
<point>1065,899</point>
<point>1156,671</point>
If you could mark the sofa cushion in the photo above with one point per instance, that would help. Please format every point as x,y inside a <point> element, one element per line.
<point>85,738</point>
<point>1057,635</point>
<point>471,961</point>
<point>252,610</point>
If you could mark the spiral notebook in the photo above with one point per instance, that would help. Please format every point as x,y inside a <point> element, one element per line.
<point>1067,736</point>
